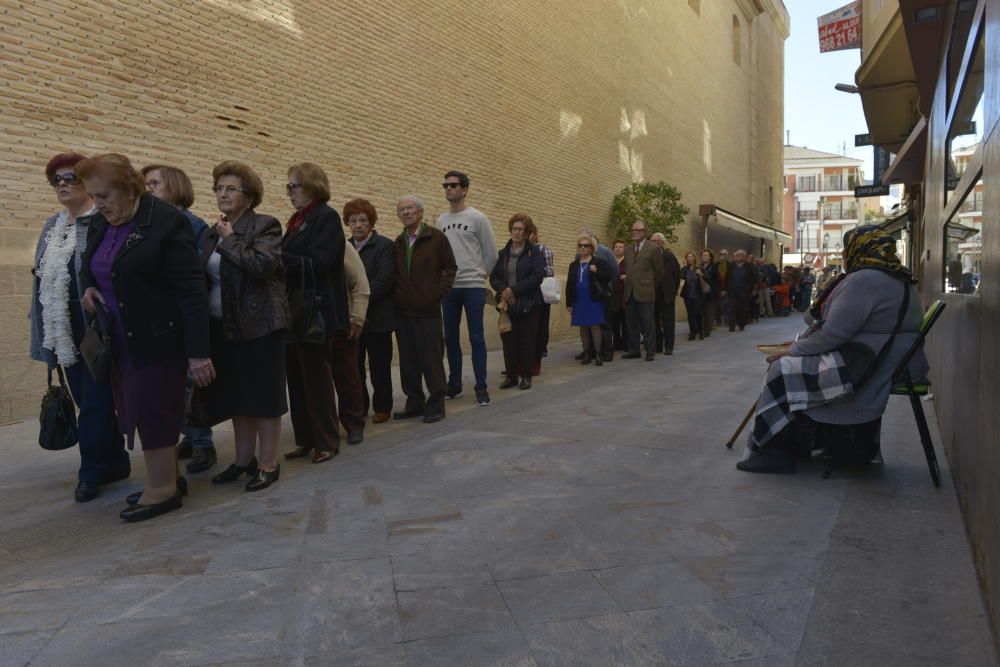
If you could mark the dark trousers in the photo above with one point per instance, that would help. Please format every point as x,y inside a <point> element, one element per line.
<point>311,398</point>
<point>321,378</point>
<point>708,310</point>
<point>639,319</point>
<point>695,314</point>
<point>666,326</point>
<point>739,309</point>
<point>102,447</point>
<point>377,347</point>
<point>618,329</point>
<point>347,381</point>
<point>542,344</point>
<point>519,344</point>
<point>421,360</point>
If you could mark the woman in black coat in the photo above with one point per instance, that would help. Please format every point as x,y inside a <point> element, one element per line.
<point>517,279</point>
<point>586,306</point>
<point>141,264</point>
<point>378,254</point>
<point>313,253</point>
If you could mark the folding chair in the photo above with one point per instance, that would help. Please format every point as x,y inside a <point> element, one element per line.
<point>903,385</point>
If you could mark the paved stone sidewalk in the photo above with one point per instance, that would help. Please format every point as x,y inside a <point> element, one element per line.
<point>594,520</point>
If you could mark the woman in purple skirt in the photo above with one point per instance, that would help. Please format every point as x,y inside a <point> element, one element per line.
<point>141,264</point>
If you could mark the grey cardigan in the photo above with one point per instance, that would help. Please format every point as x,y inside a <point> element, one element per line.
<point>864,308</point>
<point>37,352</point>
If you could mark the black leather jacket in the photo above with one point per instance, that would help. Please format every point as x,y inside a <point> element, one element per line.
<point>252,276</point>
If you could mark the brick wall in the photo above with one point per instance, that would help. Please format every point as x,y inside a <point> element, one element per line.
<point>551,106</point>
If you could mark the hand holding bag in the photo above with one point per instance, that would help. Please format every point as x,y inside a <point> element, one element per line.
<point>95,348</point>
<point>504,323</point>
<point>57,421</point>
<point>305,305</point>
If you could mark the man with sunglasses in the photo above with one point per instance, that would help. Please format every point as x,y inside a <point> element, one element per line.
<point>471,237</point>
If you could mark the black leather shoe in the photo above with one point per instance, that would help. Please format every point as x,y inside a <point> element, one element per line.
<point>769,459</point>
<point>453,392</point>
<point>408,414</point>
<point>526,382</point>
<point>233,472</point>
<point>587,358</point>
<point>182,489</point>
<point>433,417</point>
<point>631,355</point>
<point>203,459</point>
<point>184,450</point>
<point>264,479</point>
<point>355,437</point>
<point>609,356</point>
<point>508,383</point>
<point>85,492</point>
<point>598,361</point>
<point>580,356</point>
<point>668,352</point>
<point>136,513</point>
<point>650,356</point>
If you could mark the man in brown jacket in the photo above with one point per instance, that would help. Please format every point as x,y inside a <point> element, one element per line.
<point>425,272</point>
<point>644,269</point>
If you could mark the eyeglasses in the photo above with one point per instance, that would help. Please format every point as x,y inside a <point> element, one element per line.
<point>292,187</point>
<point>638,229</point>
<point>68,179</point>
<point>226,189</point>
<point>449,186</point>
<point>152,184</point>
<point>584,245</point>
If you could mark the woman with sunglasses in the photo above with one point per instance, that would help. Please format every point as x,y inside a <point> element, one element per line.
<point>588,288</point>
<point>58,325</point>
<point>313,253</point>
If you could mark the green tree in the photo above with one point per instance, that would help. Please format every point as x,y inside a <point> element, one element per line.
<point>658,204</point>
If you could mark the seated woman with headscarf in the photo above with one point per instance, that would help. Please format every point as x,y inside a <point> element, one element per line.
<point>839,372</point>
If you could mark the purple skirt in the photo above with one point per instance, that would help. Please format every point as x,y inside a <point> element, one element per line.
<point>149,400</point>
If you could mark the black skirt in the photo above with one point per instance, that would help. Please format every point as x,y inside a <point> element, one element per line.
<point>249,382</point>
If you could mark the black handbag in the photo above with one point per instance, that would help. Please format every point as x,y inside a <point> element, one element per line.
<point>57,421</point>
<point>306,307</point>
<point>860,361</point>
<point>95,348</point>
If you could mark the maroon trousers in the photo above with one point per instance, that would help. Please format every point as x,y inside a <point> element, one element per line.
<point>321,378</point>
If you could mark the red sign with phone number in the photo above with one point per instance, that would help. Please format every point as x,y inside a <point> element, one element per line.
<point>840,29</point>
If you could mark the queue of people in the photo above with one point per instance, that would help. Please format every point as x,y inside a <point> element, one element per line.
<point>244,319</point>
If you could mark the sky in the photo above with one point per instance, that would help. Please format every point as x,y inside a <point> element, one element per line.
<point>818,116</point>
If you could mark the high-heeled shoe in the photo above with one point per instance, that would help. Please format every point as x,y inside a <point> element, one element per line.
<point>233,472</point>
<point>598,361</point>
<point>587,358</point>
<point>264,478</point>
<point>135,513</point>
<point>182,489</point>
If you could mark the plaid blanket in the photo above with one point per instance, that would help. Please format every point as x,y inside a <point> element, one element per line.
<point>794,384</point>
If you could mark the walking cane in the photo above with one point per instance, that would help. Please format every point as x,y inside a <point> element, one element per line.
<point>732,440</point>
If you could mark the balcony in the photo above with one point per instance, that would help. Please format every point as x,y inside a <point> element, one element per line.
<point>804,216</point>
<point>839,183</point>
<point>849,212</point>
<point>805,184</point>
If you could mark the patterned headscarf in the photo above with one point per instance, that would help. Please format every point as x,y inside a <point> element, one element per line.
<point>865,247</point>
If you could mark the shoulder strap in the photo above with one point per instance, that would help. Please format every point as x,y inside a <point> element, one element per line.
<point>899,323</point>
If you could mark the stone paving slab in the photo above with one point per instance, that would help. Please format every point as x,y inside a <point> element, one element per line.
<point>594,520</point>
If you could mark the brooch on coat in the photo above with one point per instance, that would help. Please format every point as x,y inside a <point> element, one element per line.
<point>133,238</point>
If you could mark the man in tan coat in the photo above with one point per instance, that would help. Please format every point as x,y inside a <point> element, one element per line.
<point>644,270</point>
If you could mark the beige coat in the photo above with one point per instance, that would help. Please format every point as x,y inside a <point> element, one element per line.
<point>357,285</point>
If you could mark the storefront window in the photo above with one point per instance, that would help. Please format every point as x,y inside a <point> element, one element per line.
<point>963,244</point>
<point>966,130</point>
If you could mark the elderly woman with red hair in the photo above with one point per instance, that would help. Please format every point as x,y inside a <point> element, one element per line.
<point>140,263</point>
<point>58,325</point>
<point>378,255</point>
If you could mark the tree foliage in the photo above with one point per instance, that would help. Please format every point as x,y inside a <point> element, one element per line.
<point>658,204</point>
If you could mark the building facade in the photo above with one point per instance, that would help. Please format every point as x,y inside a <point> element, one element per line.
<point>552,109</point>
<point>819,204</point>
<point>930,86</point>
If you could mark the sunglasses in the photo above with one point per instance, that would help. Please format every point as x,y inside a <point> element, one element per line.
<point>450,186</point>
<point>68,179</point>
<point>584,245</point>
<point>292,187</point>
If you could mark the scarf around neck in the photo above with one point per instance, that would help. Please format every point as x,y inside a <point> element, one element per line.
<point>53,290</point>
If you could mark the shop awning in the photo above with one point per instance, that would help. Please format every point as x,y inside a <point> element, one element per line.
<point>896,224</point>
<point>738,223</point>
<point>908,166</point>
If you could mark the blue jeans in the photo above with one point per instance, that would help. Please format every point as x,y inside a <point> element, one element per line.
<point>473,299</point>
<point>102,447</point>
<point>200,438</point>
